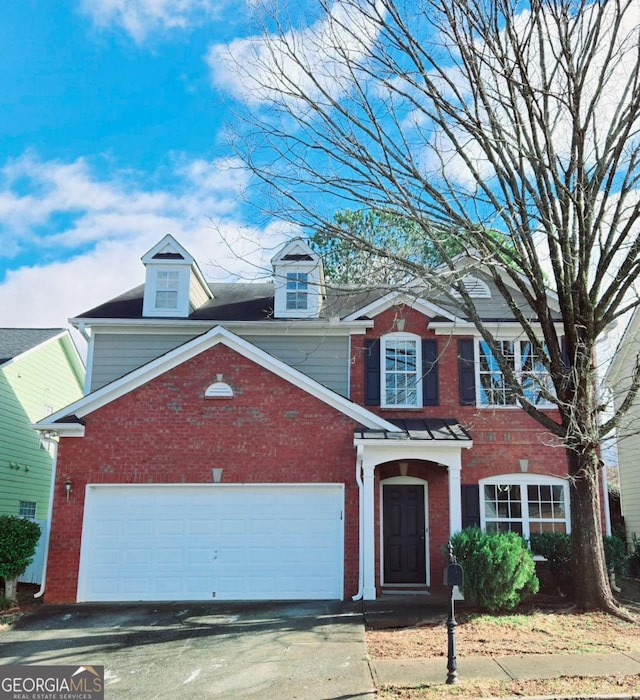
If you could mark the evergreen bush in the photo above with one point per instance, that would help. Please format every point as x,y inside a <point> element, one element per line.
<point>555,547</point>
<point>499,571</point>
<point>18,541</point>
<point>615,554</point>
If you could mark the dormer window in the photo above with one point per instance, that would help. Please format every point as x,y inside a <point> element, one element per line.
<point>297,290</point>
<point>167,282</point>
<point>174,285</point>
<point>299,281</point>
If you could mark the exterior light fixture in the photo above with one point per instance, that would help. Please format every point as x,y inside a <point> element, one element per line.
<point>68,488</point>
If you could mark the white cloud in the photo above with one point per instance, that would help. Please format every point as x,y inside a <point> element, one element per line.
<point>139,18</point>
<point>84,235</point>
<point>307,62</point>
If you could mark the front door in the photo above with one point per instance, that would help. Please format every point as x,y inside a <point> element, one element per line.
<point>404,532</point>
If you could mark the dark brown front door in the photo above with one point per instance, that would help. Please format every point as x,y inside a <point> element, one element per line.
<point>403,530</point>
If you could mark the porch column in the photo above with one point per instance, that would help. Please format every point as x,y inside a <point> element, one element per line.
<point>368,533</point>
<point>455,496</point>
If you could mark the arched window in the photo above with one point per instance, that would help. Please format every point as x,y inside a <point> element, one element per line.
<point>524,503</point>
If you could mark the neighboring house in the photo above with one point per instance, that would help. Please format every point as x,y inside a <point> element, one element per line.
<point>287,440</point>
<point>40,372</point>
<point>618,381</point>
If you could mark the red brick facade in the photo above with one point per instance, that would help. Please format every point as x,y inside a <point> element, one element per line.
<point>166,431</point>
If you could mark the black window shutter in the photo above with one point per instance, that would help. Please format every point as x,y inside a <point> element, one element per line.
<point>467,372</point>
<point>430,384</point>
<point>471,506</point>
<point>372,373</point>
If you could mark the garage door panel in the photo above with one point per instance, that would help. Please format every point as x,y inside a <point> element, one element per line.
<point>198,542</point>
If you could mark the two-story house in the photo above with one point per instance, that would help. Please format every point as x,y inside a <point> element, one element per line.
<point>619,377</point>
<point>40,372</point>
<point>289,440</point>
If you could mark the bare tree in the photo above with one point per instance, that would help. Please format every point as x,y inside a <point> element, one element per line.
<point>475,117</point>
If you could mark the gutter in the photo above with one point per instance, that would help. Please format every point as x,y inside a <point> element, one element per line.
<point>50,437</point>
<point>359,594</point>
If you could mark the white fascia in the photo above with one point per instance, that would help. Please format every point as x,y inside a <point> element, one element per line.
<point>172,326</point>
<point>71,429</point>
<point>191,349</point>
<point>510,330</point>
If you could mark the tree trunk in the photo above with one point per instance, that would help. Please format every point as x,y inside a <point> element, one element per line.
<point>11,589</point>
<point>591,586</point>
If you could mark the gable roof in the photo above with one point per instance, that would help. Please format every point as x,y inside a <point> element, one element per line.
<point>16,341</point>
<point>394,298</point>
<point>234,301</point>
<point>68,421</point>
<point>243,302</point>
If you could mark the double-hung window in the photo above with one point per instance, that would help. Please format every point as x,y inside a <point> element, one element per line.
<point>526,504</point>
<point>167,282</point>
<point>528,367</point>
<point>401,375</point>
<point>297,290</point>
<point>27,509</point>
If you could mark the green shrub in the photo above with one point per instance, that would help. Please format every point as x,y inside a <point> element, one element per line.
<point>499,570</point>
<point>555,547</point>
<point>18,541</point>
<point>635,555</point>
<point>615,554</point>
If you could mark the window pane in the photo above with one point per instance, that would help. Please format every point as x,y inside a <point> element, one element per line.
<point>167,289</point>
<point>502,508</point>
<point>27,509</point>
<point>493,390</point>
<point>297,288</point>
<point>535,375</point>
<point>401,372</point>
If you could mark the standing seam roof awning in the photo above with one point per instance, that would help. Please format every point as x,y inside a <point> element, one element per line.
<point>418,429</point>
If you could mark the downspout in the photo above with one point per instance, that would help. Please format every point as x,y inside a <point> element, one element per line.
<point>88,377</point>
<point>359,459</point>
<point>605,496</point>
<point>49,436</point>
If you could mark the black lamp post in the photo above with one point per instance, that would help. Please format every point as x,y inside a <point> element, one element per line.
<point>453,576</point>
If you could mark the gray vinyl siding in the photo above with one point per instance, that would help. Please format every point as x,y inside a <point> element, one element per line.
<point>323,358</point>
<point>494,308</point>
<point>117,354</point>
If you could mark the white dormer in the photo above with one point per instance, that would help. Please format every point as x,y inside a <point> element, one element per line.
<point>299,281</point>
<point>174,285</point>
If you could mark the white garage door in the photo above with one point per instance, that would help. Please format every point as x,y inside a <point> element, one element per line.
<point>214,541</point>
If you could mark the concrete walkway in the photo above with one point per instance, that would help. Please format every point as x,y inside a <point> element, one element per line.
<point>411,673</point>
<point>407,611</point>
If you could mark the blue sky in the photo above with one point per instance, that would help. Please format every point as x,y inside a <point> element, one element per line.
<point>111,136</point>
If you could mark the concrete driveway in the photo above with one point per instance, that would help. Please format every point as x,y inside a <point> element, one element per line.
<point>305,651</point>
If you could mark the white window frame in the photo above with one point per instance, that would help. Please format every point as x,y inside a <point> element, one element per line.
<point>297,291</point>
<point>167,282</point>
<point>400,337</point>
<point>31,506</point>
<point>153,285</point>
<point>542,377</point>
<point>524,481</point>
